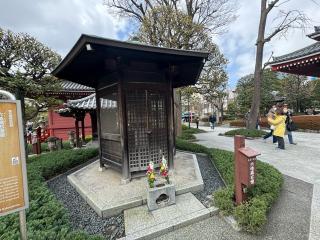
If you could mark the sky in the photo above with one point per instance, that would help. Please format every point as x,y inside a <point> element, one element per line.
<point>59,23</point>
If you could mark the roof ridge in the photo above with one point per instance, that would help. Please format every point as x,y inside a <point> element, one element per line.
<point>285,56</point>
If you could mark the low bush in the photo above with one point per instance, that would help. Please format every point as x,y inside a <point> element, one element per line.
<point>187,133</point>
<point>246,132</point>
<point>251,215</point>
<point>44,147</point>
<point>46,217</point>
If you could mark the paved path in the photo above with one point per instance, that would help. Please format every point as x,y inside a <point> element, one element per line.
<point>300,161</point>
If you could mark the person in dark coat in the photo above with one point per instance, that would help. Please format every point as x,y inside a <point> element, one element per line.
<point>197,122</point>
<point>289,124</point>
<point>212,120</point>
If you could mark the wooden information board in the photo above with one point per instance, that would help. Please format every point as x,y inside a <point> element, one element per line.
<point>13,179</point>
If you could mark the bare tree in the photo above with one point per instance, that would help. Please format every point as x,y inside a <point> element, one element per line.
<point>214,14</point>
<point>182,24</point>
<point>284,21</point>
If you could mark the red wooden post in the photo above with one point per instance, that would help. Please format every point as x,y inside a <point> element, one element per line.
<point>245,168</point>
<point>83,131</point>
<point>239,142</point>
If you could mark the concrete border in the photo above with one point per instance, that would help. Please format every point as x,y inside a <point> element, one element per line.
<point>314,232</point>
<point>105,211</point>
<point>172,224</point>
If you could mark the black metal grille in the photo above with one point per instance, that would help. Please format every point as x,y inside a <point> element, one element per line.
<point>147,128</point>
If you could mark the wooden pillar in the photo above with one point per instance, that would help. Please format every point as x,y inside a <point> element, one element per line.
<point>126,176</point>
<point>83,133</point>
<point>93,116</point>
<point>77,132</point>
<point>170,124</point>
<point>98,107</point>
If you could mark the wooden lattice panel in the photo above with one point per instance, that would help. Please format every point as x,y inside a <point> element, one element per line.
<point>147,128</point>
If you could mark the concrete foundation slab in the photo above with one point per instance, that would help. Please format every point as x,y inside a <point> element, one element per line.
<point>140,223</point>
<point>105,193</point>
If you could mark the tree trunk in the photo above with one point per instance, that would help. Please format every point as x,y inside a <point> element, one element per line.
<point>221,110</point>
<point>177,111</point>
<point>256,99</point>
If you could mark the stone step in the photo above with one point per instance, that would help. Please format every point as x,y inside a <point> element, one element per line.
<point>140,223</point>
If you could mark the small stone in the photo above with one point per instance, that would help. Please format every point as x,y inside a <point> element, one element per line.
<point>110,229</point>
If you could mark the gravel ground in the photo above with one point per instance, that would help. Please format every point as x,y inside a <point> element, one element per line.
<point>82,216</point>
<point>85,218</point>
<point>210,176</point>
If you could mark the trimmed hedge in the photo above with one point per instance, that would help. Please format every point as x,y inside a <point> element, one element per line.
<point>252,215</point>
<point>187,133</point>
<point>44,147</point>
<point>246,132</point>
<point>46,216</point>
<point>310,122</point>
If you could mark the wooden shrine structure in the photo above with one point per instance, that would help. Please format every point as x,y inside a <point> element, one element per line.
<point>58,125</point>
<point>305,61</point>
<point>134,94</point>
<point>78,109</point>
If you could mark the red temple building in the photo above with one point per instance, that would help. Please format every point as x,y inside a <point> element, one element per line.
<point>58,125</point>
<point>305,61</point>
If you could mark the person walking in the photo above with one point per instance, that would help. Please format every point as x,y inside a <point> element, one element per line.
<point>197,122</point>
<point>212,120</point>
<point>271,114</point>
<point>280,126</point>
<point>290,126</point>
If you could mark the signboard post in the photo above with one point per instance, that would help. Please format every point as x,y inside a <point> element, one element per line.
<point>245,168</point>
<point>13,175</point>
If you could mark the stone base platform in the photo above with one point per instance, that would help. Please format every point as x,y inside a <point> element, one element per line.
<point>140,223</point>
<point>104,192</point>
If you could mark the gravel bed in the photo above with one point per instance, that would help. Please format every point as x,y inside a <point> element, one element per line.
<point>210,176</point>
<point>82,216</point>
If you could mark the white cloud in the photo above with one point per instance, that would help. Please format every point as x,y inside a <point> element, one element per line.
<point>59,23</point>
<point>238,44</point>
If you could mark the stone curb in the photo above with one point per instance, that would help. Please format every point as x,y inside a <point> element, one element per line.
<point>314,232</point>
<point>172,225</point>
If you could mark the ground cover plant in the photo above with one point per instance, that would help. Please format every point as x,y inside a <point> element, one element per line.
<point>46,217</point>
<point>253,133</point>
<point>252,215</point>
<point>187,133</point>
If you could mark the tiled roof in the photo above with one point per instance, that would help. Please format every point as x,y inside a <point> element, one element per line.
<point>68,86</point>
<point>309,50</point>
<point>89,103</point>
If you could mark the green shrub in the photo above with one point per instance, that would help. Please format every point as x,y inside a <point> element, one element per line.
<point>223,200</point>
<point>44,147</point>
<point>246,132</point>
<point>251,215</point>
<point>187,133</point>
<point>46,217</point>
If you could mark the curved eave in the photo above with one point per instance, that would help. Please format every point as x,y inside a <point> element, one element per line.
<point>307,65</point>
<point>86,67</point>
<point>88,39</point>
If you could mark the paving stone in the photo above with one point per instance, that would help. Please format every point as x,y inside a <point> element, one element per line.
<point>141,223</point>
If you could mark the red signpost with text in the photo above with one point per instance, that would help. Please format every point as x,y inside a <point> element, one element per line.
<point>245,168</point>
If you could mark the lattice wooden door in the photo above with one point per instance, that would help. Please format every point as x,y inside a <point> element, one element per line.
<point>147,128</point>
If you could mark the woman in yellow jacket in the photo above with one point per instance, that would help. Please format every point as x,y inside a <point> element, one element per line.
<point>280,126</point>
